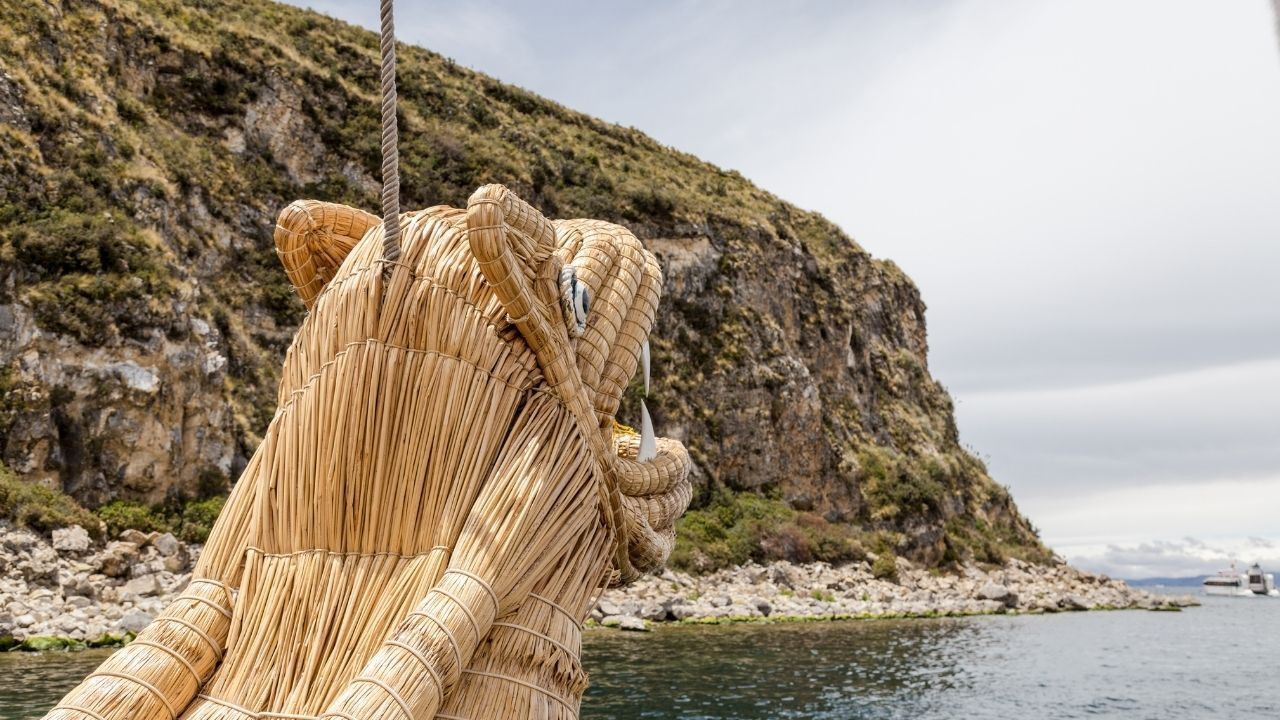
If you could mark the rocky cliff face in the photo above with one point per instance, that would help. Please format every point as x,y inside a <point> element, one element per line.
<point>147,145</point>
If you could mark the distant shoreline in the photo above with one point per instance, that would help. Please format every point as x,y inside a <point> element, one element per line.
<point>69,593</point>
<point>787,592</point>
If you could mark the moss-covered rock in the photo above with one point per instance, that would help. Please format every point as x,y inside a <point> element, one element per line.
<point>147,145</point>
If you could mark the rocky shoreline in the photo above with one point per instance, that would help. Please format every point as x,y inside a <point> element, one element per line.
<point>67,592</point>
<point>784,591</point>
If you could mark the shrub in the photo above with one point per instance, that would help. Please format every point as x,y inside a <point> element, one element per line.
<point>885,566</point>
<point>737,527</point>
<point>39,508</point>
<point>894,484</point>
<point>121,515</point>
<point>198,518</point>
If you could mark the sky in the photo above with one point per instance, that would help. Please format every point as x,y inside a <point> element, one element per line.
<point>1087,194</point>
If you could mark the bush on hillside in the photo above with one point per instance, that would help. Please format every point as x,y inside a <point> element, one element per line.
<point>198,517</point>
<point>33,506</point>
<point>737,527</point>
<point>121,515</point>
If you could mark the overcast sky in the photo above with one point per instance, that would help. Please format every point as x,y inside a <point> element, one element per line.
<point>1086,192</point>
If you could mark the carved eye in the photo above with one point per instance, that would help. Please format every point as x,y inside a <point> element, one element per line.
<point>575,299</point>
<point>581,302</point>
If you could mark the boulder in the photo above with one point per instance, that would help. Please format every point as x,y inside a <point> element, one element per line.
<point>177,562</point>
<point>999,593</point>
<point>147,567</point>
<point>1074,602</point>
<point>654,612</point>
<point>144,586</point>
<point>684,611</point>
<point>166,544</point>
<point>633,623</point>
<point>993,591</point>
<point>783,575</point>
<point>74,539</point>
<point>116,560</point>
<point>137,537</point>
<point>19,540</point>
<point>77,584</point>
<point>42,567</point>
<point>134,622</point>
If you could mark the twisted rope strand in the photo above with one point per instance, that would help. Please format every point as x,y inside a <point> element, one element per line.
<point>390,142</point>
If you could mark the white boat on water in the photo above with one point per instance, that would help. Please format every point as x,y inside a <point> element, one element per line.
<point>1261,583</point>
<point>1250,584</point>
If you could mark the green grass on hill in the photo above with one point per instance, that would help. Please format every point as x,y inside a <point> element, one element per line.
<point>40,508</point>
<point>33,506</point>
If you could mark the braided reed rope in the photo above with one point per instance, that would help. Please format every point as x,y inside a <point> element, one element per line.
<point>390,142</point>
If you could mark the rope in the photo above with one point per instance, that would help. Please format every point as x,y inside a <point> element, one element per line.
<point>173,654</point>
<point>168,706</point>
<point>531,686</point>
<point>404,706</point>
<point>390,143</point>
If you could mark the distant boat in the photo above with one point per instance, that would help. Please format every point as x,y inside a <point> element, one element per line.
<point>1261,583</point>
<point>1231,582</point>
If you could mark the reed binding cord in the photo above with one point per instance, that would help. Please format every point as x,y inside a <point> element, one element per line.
<point>390,144</point>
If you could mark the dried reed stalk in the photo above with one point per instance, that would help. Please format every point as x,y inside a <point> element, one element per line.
<point>441,493</point>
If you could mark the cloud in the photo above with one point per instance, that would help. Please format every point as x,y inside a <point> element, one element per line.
<point>1084,192</point>
<point>1186,428</point>
<point>1188,557</point>
<point>1212,519</point>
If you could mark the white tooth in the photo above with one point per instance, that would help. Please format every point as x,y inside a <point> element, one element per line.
<point>644,363</point>
<point>648,445</point>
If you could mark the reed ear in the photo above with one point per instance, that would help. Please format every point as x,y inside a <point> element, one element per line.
<point>514,245</point>
<point>313,238</point>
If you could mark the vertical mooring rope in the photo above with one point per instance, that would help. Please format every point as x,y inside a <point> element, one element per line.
<point>390,143</point>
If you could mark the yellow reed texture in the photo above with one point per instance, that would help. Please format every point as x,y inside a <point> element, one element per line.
<point>440,495</point>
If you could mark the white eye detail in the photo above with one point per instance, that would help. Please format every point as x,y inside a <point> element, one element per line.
<point>644,364</point>
<point>575,300</point>
<point>582,301</point>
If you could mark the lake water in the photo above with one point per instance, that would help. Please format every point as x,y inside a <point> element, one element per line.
<point>1215,661</point>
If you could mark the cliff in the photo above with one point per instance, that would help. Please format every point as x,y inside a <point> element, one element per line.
<point>147,145</point>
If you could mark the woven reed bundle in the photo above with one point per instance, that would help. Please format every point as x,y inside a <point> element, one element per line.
<point>442,492</point>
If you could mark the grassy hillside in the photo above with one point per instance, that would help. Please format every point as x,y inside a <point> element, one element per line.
<point>147,145</point>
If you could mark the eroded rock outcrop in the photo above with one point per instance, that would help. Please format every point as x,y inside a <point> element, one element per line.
<point>143,313</point>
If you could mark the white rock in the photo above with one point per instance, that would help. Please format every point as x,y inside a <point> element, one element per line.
<point>134,621</point>
<point>137,537</point>
<point>143,586</point>
<point>74,539</point>
<point>135,376</point>
<point>166,544</point>
<point>19,540</point>
<point>631,622</point>
<point>653,611</point>
<point>993,591</point>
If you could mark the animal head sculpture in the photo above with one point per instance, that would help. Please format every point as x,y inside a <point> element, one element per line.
<point>583,295</point>
<point>442,491</point>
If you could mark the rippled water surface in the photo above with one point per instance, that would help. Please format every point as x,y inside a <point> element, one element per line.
<point>1215,661</point>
